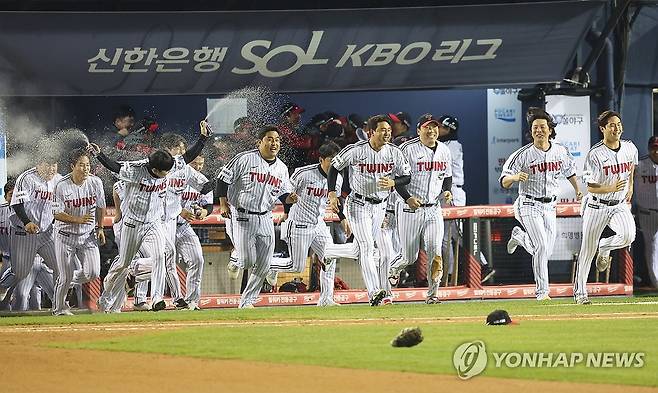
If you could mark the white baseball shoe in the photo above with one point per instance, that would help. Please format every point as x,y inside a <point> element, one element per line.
<point>583,300</point>
<point>63,313</point>
<point>142,306</point>
<point>233,271</point>
<point>193,306</point>
<point>513,243</point>
<point>328,303</point>
<point>603,262</point>
<point>248,306</point>
<point>543,297</point>
<point>3,293</point>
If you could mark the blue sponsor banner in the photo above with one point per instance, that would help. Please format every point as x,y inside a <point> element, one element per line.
<point>289,51</point>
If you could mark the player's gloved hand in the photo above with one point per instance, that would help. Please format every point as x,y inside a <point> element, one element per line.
<point>413,203</point>
<point>346,227</point>
<point>205,128</point>
<point>291,198</point>
<point>187,215</point>
<point>93,149</point>
<point>385,183</point>
<point>101,236</point>
<point>521,176</point>
<point>447,197</point>
<point>31,228</point>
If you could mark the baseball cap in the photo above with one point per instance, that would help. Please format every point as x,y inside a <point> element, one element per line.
<point>394,118</point>
<point>242,122</point>
<point>355,120</point>
<point>499,317</point>
<point>291,107</point>
<point>449,121</point>
<point>404,118</point>
<point>653,142</point>
<point>426,119</point>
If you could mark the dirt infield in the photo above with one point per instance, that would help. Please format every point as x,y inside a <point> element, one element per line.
<point>29,366</point>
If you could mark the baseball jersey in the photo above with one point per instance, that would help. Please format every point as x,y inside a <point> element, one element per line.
<point>144,194</point>
<point>5,210</point>
<point>428,169</point>
<point>37,196</point>
<point>606,166</point>
<point>310,185</point>
<point>457,162</point>
<point>367,166</point>
<point>78,200</point>
<point>646,184</point>
<point>191,196</point>
<point>255,183</point>
<point>544,168</point>
<point>177,182</point>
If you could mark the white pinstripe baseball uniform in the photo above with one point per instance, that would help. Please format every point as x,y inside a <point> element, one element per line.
<point>305,228</point>
<point>646,199</point>
<point>535,206</point>
<point>36,195</point>
<point>387,240</point>
<point>7,276</point>
<point>143,212</point>
<point>452,228</point>
<point>605,166</point>
<point>76,240</point>
<point>27,294</point>
<point>257,184</point>
<point>424,225</point>
<point>188,246</point>
<point>366,205</point>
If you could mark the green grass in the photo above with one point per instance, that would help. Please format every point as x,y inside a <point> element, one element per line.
<point>399,310</point>
<point>366,346</point>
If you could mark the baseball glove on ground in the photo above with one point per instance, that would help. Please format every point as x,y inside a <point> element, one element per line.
<point>408,337</point>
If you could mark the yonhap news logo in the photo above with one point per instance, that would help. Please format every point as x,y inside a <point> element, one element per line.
<point>471,359</point>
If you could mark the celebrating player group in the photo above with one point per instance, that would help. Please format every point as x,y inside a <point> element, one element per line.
<point>389,197</point>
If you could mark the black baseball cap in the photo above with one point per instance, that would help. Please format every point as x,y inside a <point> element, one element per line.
<point>653,142</point>
<point>426,119</point>
<point>499,317</point>
<point>404,118</point>
<point>449,121</point>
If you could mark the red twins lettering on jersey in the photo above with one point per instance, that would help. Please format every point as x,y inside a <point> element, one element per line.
<point>431,166</point>
<point>376,168</point>
<point>190,196</point>
<point>617,168</point>
<point>265,178</point>
<point>318,192</point>
<point>45,195</point>
<point>555,166</point>
<point>80,202</point>
<point>649,179</point>
<point>176,183</point>
<point>152,188</point>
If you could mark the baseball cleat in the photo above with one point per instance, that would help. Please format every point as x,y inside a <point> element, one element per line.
<point>271,277</point>
<point>603,262</point>
<point>543,297</point>
<point>141,306</point>
<point>377,297</point>
<point>63,313</point>
<point>180,304</point>
<point>432,300</point>
<point>3,293</point>
<point>328,303</point>
<point>249,306</point>
<point>233,271</point>
<point>512,244</point>
<point>394,279</point>
<point>387,301</point>
<point>159,306</point>
<point>583,300</point>
<point>193,306</point>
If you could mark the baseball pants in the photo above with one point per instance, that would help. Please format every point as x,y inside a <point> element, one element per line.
<point>69,246</point>
<point>171,274</point>
<point>423,225</point>
<point>387,251</point>
<point>539,222</point>
<point>25,297</point>
<point>189,250</point>
<point>27,246</point>
<point>596,216</point>
<point>366,221</point>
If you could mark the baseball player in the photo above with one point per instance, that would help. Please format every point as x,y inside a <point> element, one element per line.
<point>79,212</point>
<point>31,219</point>
<point>305,227</point>
<point>7,276</point>
<point>646,199</point>
<point>609,168</point>
<point>388,248</point>
<point>257,178</point>
<point>537,167</point>
<point>375,167</point>
<point>418,213</point>
<point>195,205</point>
<point>143,212</point>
